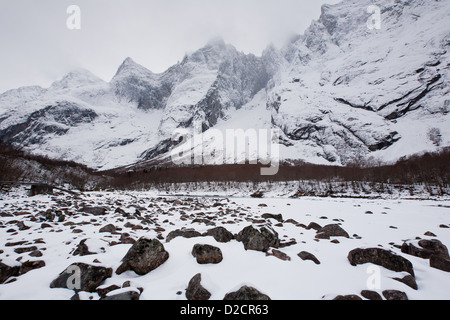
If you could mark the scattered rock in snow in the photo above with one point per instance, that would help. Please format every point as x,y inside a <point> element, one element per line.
<point>371,295</point>
<point>394,295</point>
<point>144,256</point>
<point>381,257</point>
<point>277,217</point>
<point>185,233</point>
<point>278,254</point>
<point>27,266</point>
<point>206,254</point>
<point>427,248</point>
<point>90,277</point>
<point>123,296</point>
<point>103,291</point>
<point>440,262</point>
<point>409,280</point>
<point>350,297</point>
<point>195,291</point>
<point>7,272</point>
<point>331,230</point>
<point>246,293</point>
<point>314,226</point>
<point>109,228</point>
<point>259,240</point>
<point>220,234</point>
<point>82,249</point>
<point>96,211</point>
<point>308,256</point>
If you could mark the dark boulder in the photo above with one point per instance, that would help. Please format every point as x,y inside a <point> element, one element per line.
<point>331,230</point>
<point>381,257</point>
<point>440,262</point>
<point>246,293</point>
<point>308,256</point>
<point>27,266</point>
<point>185,233</point>
<point>409,280</point>
<point>206,254</point>
<point>96,211</point>
<point>124,296</point>
<point>7,272</point>
<point>90,277</point>
<point>314,226</point>
<point>371,295</point>
<point>144,256</point>
<point>350,297</point>
<point>426,249</point>
<point>394,295</point>
<point>82,249</point>
<point>277,217</point>
<point>220,234</point>
<point>195,291</point>
<point>259,240</point>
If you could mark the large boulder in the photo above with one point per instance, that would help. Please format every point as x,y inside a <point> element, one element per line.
<point>440,262</point>
<point>331,230</point>
<point>220,234</point>
<point>259,240</point>
<point>246,293</point>
<point>195,291</point>
<point>7,271</point>
<point>185,233</point>
<point>144,256</point>
<point>96,211</point>
<point>206,254</point>
<point>392,295</point>
<point>81,277</point>
<point>426,249</point>
<point>381,257</point>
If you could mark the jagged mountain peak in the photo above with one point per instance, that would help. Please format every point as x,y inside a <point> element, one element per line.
<point>337,92</point>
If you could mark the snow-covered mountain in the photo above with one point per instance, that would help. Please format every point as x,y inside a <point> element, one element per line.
<point>339,92</point>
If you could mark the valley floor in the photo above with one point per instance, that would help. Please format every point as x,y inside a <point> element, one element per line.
<point>51,227</point>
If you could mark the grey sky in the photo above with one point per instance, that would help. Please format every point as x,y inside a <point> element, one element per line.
<point>37,48</point>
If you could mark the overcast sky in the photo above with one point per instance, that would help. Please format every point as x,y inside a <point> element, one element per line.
<point>37,48</point>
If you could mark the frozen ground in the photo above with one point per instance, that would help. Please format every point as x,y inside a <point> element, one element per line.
<point>372,223</point>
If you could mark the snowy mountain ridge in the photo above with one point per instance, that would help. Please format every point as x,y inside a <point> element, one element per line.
<point>339,92</point>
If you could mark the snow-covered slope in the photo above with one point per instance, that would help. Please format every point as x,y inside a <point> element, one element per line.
<point>349,91</point>
<point>339,92</point>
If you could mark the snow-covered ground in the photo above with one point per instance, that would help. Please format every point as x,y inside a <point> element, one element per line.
<point>372,223</point>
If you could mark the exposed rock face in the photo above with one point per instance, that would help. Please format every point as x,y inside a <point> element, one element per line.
<point>90,277</point>
<point>382,258</point>
<point>144,256</point>
<point>195,291</point>
<point>322,90</point>
<point>259,240</point>
<point>246,293</point>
